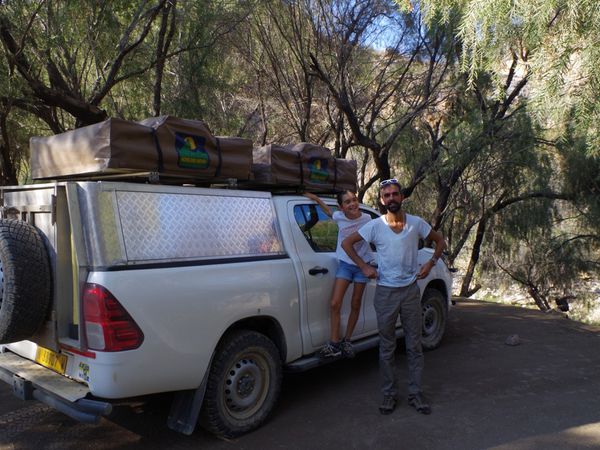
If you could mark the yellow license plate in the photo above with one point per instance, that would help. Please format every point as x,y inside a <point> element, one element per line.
<point>51,360</point>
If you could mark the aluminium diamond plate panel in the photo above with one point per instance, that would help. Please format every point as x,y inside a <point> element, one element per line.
<point>169,226</point>
<point>101,228</point>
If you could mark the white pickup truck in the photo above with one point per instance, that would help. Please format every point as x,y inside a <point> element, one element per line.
<point>112,290</point>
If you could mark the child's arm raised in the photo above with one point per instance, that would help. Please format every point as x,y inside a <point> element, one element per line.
<point>326,209</point>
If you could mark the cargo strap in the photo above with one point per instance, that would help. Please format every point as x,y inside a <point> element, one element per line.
<point>335,173</point>
<point>220,160</point>
<point>159,153</point>
<point>299,155</point>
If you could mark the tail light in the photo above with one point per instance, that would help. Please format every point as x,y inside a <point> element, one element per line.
<point>108,326</point>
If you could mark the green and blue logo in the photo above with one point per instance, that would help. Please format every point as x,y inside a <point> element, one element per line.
<point>317,170</point>
<point>191,151</point>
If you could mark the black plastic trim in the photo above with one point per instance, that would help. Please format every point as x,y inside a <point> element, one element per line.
<point>202,262</point>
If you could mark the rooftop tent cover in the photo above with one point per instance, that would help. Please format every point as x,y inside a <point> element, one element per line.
<point>165,144</point>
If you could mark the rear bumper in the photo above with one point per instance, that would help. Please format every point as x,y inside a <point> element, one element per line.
<point>32,381</point>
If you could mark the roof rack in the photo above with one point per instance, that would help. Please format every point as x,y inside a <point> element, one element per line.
<point>150,177</point>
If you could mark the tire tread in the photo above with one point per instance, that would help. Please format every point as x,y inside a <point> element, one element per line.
<point>210,417</point>
<point>27,285</point>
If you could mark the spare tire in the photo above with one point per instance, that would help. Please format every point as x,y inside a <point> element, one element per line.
<point>25,281</point>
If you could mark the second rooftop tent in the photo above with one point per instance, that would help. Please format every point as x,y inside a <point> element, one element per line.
<point>304,166</point>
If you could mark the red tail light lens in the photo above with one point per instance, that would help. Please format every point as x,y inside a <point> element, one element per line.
<point>108,326</point>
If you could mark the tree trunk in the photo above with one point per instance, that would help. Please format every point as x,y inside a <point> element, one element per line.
<point>8,177</point>
<point>539,299</point>
<point>468,278</point>
<point>441,205</point>
<point>162,49</point>
<point>8,174</point>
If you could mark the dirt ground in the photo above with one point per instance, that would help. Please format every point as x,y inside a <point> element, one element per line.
<point>543,393</point>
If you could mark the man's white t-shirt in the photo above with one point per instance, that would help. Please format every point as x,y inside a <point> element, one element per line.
<point>396,252</point>
<point>346,227</point>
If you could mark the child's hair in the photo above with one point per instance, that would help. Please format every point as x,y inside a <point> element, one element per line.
<point>340,196</point>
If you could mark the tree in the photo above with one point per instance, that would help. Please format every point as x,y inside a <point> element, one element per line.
<point>63,69</point>
<point>70,64</point>
<point>533,54</point>
<point>548,260</point>
<point>276,46</point>
<point>559,39</point>
<point>402,82</point>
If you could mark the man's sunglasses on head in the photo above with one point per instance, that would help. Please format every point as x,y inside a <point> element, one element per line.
<point>389,182</point>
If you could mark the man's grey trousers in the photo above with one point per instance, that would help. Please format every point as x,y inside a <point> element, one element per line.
<point>389,302</point>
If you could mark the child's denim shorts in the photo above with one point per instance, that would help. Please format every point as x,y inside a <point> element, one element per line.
<point>350,272</point>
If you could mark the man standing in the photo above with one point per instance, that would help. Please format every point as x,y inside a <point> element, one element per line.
<point>396,237</point>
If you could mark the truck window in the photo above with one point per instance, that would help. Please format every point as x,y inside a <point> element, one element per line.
<point>318,228</point>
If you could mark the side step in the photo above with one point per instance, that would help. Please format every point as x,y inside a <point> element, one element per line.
<point>313,360</point>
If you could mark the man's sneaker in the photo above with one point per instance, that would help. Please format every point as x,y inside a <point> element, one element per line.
<point>331,350</point>
<point>419,403</point>
<point>347,349</point>
<point>387,405</point>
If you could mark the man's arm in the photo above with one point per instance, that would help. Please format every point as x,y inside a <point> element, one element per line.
<point>440,246</point>
<point>348,246</point>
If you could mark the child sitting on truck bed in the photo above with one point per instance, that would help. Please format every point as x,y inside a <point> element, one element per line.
<point>349,219</point>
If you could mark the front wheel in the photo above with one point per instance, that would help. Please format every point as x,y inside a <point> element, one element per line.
<point>243,384</point>
<point>434,318</point>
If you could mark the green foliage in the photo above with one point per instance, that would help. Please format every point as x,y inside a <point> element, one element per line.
<point>581,170</point>
<point>558,39</point>
<point>549,246</point>
<point>550,259</point>
<point>203,82</point>
<point>102,57</point>
<point>546,142</point>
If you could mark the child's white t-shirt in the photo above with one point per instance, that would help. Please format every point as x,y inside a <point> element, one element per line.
<point>346,228</point>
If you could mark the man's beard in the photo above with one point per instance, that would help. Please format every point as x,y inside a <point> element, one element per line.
<point>393,206</point>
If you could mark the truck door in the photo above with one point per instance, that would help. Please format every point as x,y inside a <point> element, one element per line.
<point>315,238</point>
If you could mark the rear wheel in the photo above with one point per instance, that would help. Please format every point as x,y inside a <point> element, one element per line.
<point>434,318</point>
<point>25,281</point>
<point>243,384</point>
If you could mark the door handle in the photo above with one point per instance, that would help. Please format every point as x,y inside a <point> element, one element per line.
<point>316,270</point>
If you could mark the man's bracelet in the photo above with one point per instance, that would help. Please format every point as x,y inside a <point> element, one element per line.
<point>434,260</point>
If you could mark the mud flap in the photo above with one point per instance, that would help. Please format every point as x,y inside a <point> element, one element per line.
<point>185,408</point>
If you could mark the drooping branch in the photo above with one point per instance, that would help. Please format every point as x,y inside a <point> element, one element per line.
<point>501,204</point>
<point>82,110</point>
<point>162,49</point>
<point>105,83</point>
